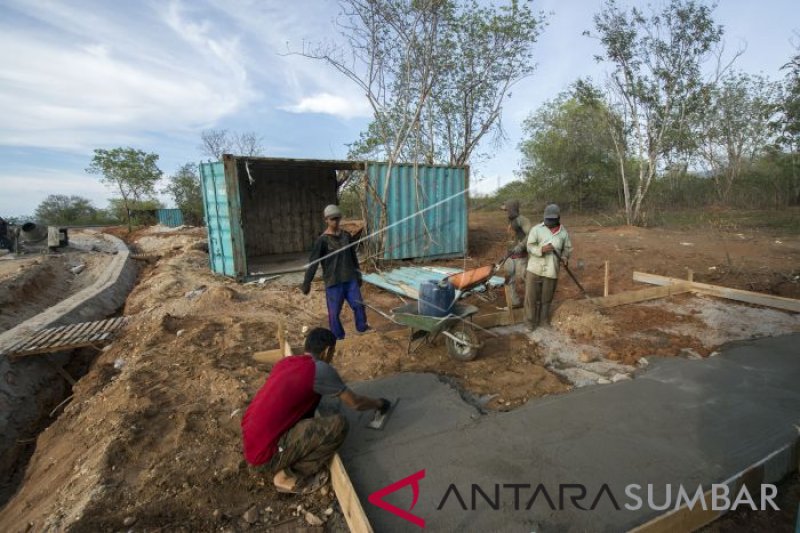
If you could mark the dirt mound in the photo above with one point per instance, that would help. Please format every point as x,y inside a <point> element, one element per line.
<point>581,319</point>
<point>152,433</point>
<point>41,283</point>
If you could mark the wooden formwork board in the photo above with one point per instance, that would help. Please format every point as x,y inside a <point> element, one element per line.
<point>757,298</point>
<point>68,337</point>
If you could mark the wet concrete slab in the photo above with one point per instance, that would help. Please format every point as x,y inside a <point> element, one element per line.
<point>689,422</point>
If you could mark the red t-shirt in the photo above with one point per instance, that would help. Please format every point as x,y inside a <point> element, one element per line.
<point>286,397</point>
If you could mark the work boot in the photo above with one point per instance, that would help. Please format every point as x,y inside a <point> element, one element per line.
<point>544,317</point>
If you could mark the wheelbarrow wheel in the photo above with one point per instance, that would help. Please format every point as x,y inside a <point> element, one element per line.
<point>467,348</point>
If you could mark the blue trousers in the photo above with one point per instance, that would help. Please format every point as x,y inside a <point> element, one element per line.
<point>335,296</point>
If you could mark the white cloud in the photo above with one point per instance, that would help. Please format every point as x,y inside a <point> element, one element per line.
<point>68,85</point>
<point>24,189</point>
<point>330,104</point>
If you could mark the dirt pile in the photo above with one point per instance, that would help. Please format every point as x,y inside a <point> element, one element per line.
<point>152,434</point>
<point>582,320</point>
<point>34,285</point>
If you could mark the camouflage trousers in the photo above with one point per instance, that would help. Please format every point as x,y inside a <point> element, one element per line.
<point>308,446</point>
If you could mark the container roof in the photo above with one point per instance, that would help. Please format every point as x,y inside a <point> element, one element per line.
<point>284,162</point>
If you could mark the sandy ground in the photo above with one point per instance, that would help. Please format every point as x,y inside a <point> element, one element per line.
<point>30,284</point>
<point>151,437</point>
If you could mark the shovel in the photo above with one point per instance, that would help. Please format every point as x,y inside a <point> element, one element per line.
<point>578,283</point>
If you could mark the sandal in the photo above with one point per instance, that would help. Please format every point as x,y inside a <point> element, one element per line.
<point>308,485</point>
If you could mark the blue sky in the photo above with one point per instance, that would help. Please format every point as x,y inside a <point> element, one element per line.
<point>80,75</point>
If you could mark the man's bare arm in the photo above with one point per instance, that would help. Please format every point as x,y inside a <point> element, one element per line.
<point>358,402</point>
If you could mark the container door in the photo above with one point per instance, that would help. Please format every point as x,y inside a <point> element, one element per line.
<point>218,218</point>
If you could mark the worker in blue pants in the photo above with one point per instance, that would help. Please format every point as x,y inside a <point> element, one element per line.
<point>340,272</point>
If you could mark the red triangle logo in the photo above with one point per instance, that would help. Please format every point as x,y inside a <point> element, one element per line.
<point>376,498</point>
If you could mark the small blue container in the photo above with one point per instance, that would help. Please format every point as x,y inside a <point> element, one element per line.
<point>436,298</point>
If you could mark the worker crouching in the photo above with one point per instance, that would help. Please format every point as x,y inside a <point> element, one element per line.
<point>546,241</point>
<point>280,432</point>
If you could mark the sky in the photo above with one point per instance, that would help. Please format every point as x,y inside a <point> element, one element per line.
<point>79,75</point>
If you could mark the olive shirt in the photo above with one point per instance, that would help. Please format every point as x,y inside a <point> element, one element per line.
<point>521,227</point>
<point>546,265</point>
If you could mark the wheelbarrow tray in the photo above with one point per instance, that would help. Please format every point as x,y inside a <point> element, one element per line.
<point>408,315</point>
<point>469,279</point>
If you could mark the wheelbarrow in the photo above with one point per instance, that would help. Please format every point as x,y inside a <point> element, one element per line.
<point>456,326</point>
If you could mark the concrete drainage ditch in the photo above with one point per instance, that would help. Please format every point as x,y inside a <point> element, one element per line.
<point>31,387</point>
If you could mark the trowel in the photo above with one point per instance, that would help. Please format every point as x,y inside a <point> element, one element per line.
<point>379,419</point>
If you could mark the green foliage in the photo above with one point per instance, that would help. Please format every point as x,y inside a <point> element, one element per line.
<point>788,122</point>
<point>734,127</point>
<point>130,172</point>
<point>568,155</point>
<point>184,187</point>
<point>142,212</point>
<point>63,210</point>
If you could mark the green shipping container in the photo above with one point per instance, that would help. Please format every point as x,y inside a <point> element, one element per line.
<point>264,214</point>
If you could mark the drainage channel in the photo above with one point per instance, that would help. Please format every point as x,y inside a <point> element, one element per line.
<point>33,388</point>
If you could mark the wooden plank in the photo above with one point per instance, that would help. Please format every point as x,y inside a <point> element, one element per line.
<point>641,295</point>
<point>62,334</point>
<point>509,300</point>
<point>757,298</point>
<point>502,318</point>
<point>346,494</point>
<point>77,332</point>
<point>44,336</point>
<point>605,280</point>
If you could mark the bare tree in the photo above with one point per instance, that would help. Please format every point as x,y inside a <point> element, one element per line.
<point>248,144</point>
<point>390,54</point>
<point>217,142</point>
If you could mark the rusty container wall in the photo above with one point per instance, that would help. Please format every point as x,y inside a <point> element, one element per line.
<point>426,217</point>
<point>282,204</point>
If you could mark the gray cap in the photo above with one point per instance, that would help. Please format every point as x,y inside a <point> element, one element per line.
<point>552,211</point>
<point>332,211</point>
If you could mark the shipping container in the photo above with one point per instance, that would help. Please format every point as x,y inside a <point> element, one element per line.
<point>264,214</point>
<point>426,217</point>
<point>170,217</point>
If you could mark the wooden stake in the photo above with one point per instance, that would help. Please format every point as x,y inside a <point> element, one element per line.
<point>281,333</point>
<point>690,274</point>
<point>605,281</point>
<point>509,301</point>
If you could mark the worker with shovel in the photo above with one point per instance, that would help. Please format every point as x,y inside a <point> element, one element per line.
<point>548,243</point>
<point>337,253</point>
<point>517,259</point>
<point>280,433</point>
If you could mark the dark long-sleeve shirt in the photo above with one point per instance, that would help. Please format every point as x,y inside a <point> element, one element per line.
<point>337,267</point>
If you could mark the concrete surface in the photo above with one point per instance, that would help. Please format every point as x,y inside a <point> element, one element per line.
<point>31,386</point>
<point>693,422</point>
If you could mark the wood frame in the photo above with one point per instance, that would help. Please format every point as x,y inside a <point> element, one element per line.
<point>757,298</point>
<point>640,295</point>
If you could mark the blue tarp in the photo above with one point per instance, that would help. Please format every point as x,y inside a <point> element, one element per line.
<point>406,281</point>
